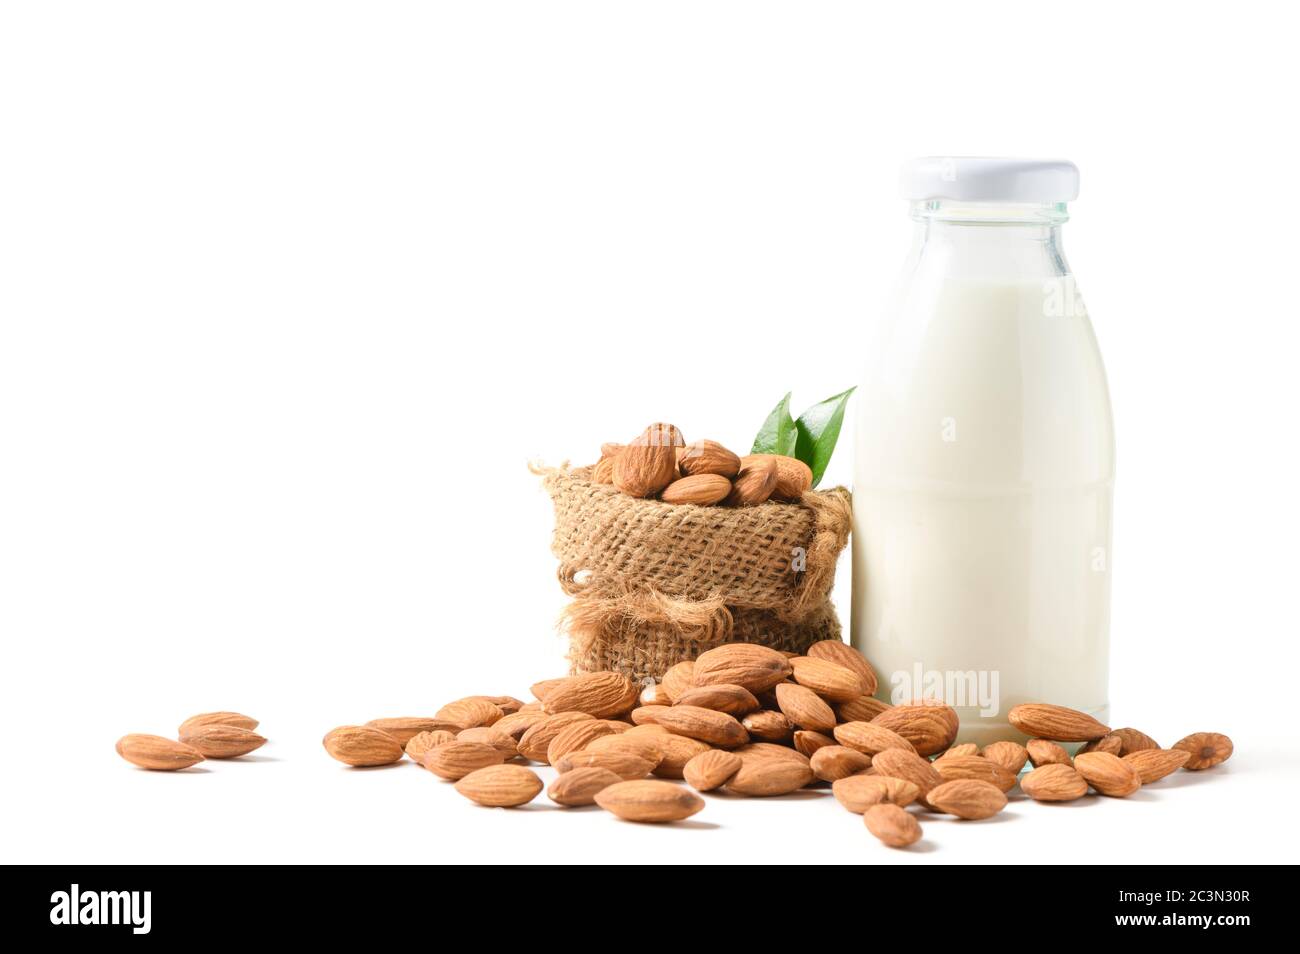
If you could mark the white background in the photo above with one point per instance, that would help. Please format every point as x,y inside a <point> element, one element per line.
<point>291,293</point>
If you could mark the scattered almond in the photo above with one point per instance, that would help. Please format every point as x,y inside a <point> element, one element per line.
<point>500,786</point>
<point>743,664</point>
<point>930,726</point>
<point>806,741</point>
<point>649,801</point>
<point>833,762</point>
<point>623,764</point>
<point>455,760</point>
<point>892,825</point>
<point>155,752</point>
<point>910,767</point>
<point>490,735</point>
<point>222,741</point>
<point>1042,752</point>
<point>722,697</point>
<point>712,769</point>
<point>579,787</point>
<point>1154,764</point>
<point>1057,723</point>
<point>978,768</point>
<point>600,694</point>
<point>1054,782</point>
<point>968,798</point>
<point>767,725</point>
<point>575,737</point>
<point>405,729</point>
<point>467,713</point>
<point>679,678</point>
<point>861,709</point>
<point>842,654</point>
<point>857,793</point>
<point>1131,740</point>
<point>1110,742</point>
<point>831,681</point>
<point>966,748</point>
<point>1108,773</point>
<point>362,745</point>
<point>761,777</point>
<point>237,719</point>
<point>707,725</point>
<point>677,751</point>
<point>423,741</point>
<point>1207,749</point>
<point>804,707</point>
<point>869,738</point>
<point>537,739</point>
<point>1012,756</point>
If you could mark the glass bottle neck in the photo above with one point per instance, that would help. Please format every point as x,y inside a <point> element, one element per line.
<point>991,241</point>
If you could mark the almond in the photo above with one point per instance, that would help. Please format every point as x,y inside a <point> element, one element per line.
<point>155,752</point>
<point>467,713</point>
<point>910,767</point>
<point>806,742</point>
<point>712,769</point>
<point>892,825</point>
<point>422,742</point>
<point>1154,764</point>
<point>1054,782</point>
<point>362,745</point>
<point>768,750</point>
<point>649,801</point>
<point>537,739</point>
<point>930,726</point>
<point>541,688</point>
<point>1012,756</point>
<point>702,490</point>
<point>1131,740</point>
<point>237,719</point>
<point>455,760</point>
<point>756,668</point>
<point>641,746</point>
<point>603,472</point>
<point>707,725</point>
<point>600,694</point>
<point>643,470</point>
<point>500,786</point>
<point>831,681</point>
<point>1057,723</point>
<point>768,726</point>
<point>1041,752</point>
<point>723,697</point>
<point>679,678</point>
<point>708,457</point>
<point>857,793</point>
<point>659,435</point>
<point>968,798</point>
<point>1207,749</point>
<point>574,738</point>
<point>405,729</point>
<point>677,751</point>
<point>490,735</point>
<point>1110,742</point>
<point>793,476</point>
<point>623,764</point>
<point>833,762</point>
<point>861,709</point>
<point>967,748</point>
<point>647,715</point>
<point>763,776</point>
<point>579,787</point>
<point>507,704</point>
<point>222,741</point>
<point>1108,774</point>
<point>869,738</point>
<point>975,767</point>
<point>654,695</point>
<point>804,707</point>
<point>842,654</point>
<point>517,723</point>
<point>754,483</point>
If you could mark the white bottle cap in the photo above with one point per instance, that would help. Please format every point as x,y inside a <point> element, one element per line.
<point>986,179</point>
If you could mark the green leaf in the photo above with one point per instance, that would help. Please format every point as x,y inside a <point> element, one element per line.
<point>818,430</point>
<point>778,435</point>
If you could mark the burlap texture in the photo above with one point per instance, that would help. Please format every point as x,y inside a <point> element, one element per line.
<point>655,583</point>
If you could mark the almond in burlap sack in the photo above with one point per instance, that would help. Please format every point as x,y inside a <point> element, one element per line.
<point>655,583</point>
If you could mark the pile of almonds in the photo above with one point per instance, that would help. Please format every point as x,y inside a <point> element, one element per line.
<point>753,721</point>
<point>211,735</point>
<point>659,463</point>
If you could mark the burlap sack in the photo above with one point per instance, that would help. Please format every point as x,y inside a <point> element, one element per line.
<point>654,583</point>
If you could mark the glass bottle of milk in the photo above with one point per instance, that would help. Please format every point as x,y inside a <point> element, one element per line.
<point>985,457</point>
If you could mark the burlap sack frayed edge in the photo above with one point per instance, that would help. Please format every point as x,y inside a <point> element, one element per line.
<point>619,554</point>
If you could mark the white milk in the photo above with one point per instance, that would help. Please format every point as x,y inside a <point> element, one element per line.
<point>982,504</point>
